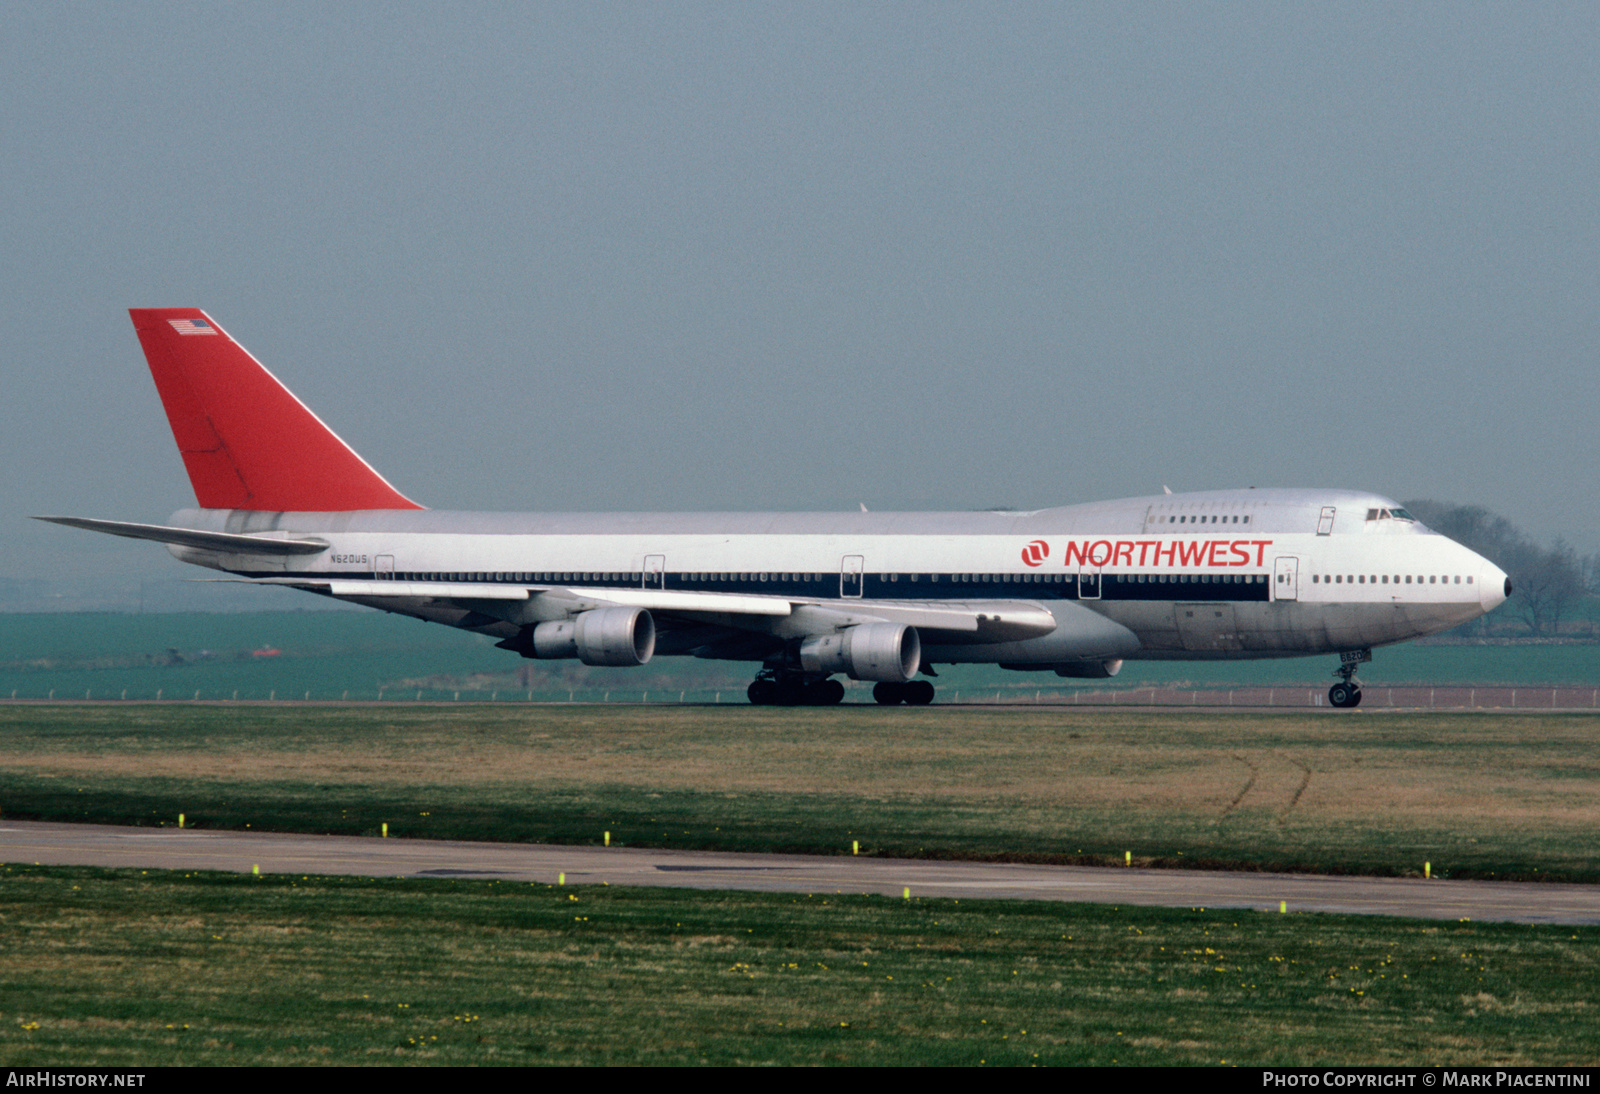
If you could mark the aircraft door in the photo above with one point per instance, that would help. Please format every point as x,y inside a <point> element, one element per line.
<point>655,571</point>
<point>1089,583</point>
<point>1325,522</point>
<point>1286,579</point>
<point>850,571</point>
<point>383,567</point>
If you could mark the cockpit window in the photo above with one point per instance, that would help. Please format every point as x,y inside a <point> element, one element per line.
<point>1390,514</point>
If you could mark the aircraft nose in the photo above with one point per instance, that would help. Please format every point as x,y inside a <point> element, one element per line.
<point>1494,587</point>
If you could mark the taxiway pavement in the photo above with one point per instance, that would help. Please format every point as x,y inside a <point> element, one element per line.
<point>283,853</point>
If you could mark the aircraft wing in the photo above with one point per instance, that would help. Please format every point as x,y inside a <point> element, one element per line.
<point>784,617</point>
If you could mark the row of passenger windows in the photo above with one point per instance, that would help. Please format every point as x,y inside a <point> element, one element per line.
<point>1058,579</point>
<point>1203,519</point>
<point>1375,579</point>
<point>790,578</point>
<point>501,577</point>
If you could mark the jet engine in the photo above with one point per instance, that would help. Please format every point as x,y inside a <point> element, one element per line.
<point>867,651</point>
<point>603,636</point>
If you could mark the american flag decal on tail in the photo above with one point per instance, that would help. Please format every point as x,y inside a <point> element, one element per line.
<point>192,326</point>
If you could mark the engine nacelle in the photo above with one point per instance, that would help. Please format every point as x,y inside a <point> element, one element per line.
<point>603,636</point>
<point>867,651</point>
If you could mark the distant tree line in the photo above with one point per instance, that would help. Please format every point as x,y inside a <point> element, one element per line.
<point>1548,583</point>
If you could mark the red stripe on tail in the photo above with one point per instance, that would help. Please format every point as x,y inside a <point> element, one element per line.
<point>247,442</point>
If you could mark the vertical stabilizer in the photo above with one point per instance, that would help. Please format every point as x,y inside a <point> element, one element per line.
<point>246,441</point>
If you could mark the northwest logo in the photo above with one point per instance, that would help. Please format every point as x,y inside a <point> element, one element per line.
<point>1035,553</point>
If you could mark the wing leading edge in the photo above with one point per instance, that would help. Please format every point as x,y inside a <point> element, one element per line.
<point>977,623</point>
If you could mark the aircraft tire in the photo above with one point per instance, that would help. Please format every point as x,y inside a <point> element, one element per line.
<point>825,693</point>
<point>919,693</point>
<point>762,693</point>
<point>1344,696</point>
<point>888,694</point>
<point>790,693</point>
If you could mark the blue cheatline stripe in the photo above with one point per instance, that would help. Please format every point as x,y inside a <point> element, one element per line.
<point>875,586</point>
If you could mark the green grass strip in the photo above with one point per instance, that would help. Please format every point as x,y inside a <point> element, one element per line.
<point>1475,795</point>
<point>130,968</point>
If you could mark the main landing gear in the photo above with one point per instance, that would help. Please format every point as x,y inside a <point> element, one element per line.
<point>791,689</point>
<point>1347,692</point>
<point>913,693</point>
<point>773,688</point>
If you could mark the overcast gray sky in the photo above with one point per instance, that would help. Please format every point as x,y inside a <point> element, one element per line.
<point>658,256</point>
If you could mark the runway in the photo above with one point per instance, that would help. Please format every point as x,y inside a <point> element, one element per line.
<point>30,842</point>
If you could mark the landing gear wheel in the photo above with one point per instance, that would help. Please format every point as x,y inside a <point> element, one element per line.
<point>888,694</point>
<point>825,693</point>
<point>762,693</point>
<point>789,692</point>
<point>1347,692</point>
<point>1344,695</point>
<point>918,693</point>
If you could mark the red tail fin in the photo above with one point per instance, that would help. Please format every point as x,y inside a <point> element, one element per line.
<point>247,442</point>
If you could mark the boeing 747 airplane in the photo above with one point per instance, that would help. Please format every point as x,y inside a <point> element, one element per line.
<point>1076,590</point>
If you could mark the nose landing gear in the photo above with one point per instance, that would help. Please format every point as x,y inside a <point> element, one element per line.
<point>1347,692</point>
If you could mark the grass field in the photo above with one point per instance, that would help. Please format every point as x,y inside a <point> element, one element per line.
<point>362,655</point>
<point>135,968</point>
<point>1475,794</point>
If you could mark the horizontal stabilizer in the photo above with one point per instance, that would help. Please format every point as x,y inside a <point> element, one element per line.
<point>270,544</point>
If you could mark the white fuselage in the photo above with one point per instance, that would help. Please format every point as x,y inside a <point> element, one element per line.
<point>1224,574</point>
